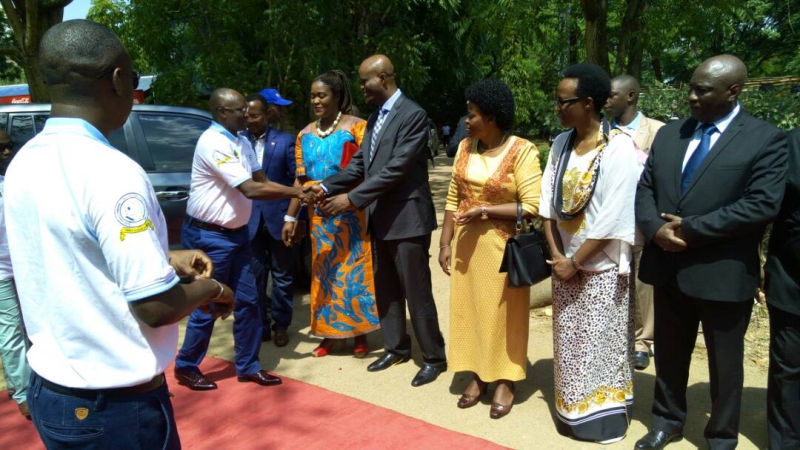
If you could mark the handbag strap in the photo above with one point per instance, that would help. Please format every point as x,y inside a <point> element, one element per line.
<point>519,218</point>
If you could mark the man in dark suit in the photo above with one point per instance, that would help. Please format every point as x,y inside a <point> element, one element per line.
<point>391,167</point>
<point>710,186</point>
<point>782,286</point>
<point>275,152</point>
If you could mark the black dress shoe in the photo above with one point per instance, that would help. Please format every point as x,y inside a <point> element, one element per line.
<point>261,377</point>
<point>195,381</point>
<point>386,361</point>
<point>641,360</point>
<point>656,440</point>
<point>281,337</point>
<point>428,373</point>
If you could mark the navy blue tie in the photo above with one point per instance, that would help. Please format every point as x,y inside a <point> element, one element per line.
<point>698,156</point>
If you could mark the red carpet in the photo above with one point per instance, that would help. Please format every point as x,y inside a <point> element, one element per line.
<point>294,415</point>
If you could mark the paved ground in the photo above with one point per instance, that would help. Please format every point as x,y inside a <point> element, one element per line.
<point>529,426</point>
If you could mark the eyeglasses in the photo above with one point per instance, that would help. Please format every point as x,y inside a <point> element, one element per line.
<point>567,101</point>
<point>134,75</point>
<point>242,110</point>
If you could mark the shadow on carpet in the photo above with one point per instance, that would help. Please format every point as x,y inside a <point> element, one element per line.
<point>295,415</point>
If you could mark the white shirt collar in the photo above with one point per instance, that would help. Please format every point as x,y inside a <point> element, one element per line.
<point>390,103</point>
<point>723,123</point>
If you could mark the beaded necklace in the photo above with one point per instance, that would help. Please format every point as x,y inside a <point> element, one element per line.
<point>325,133</point>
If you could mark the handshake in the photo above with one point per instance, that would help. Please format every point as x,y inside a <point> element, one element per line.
<point>312,195</point>
<point>332,206</point>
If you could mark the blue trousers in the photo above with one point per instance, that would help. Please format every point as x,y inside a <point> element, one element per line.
<point>271,256</point>
<point>144,421</point>
<point>230,252</point>
<point>12,343</point>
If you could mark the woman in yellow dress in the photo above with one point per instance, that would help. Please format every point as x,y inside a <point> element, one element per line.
<point>493,171</point>
<point>342,285</point>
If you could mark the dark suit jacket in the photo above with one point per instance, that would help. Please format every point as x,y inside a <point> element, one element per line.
<point>395,190</point>
<point>735,193</point>
<point>782,272</point>
<point>280,166</point>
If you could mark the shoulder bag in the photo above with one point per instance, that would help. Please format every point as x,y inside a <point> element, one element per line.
<point>525,256</point>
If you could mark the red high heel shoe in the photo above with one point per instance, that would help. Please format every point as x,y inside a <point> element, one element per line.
<point>324,348</point>
<point>360,347</point>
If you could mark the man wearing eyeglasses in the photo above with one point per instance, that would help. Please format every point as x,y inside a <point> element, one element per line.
<point>226,177</point>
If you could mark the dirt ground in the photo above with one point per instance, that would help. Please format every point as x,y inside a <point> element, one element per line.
<point>530,425</point>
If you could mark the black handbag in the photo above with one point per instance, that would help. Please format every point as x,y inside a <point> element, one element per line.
<point>525,256</point>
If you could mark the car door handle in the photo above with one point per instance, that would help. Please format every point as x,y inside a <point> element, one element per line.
<point>172,195</point>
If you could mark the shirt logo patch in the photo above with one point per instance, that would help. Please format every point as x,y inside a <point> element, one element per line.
<point>221,158</point>
<point>132,214</point>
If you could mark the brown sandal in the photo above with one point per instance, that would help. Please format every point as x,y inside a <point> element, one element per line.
<point>468,401</point>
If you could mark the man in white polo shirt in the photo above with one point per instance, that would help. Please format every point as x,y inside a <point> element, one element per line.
<point>226,176</point>
<point>99,290</point>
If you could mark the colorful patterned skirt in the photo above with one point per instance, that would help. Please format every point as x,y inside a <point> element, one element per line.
<point>342,280</point>
<point>593,339</point>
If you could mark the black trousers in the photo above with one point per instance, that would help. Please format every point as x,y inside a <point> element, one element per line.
<point>403,274</point>
<point>783,383</point>
<point>676,323</point>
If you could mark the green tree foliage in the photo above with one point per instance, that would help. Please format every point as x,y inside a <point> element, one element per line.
<point>29,20</point>
<point>439,47</point>
<point>10,72</point>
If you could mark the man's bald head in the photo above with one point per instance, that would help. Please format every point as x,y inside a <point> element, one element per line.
<point>73,53</point>
<point>4,137</point>
<point>726,68</point>
<point>229,109</point>
<point>715,87</point>
<point>377,79</point>
<point>622,100</point>
<point>626,83</point>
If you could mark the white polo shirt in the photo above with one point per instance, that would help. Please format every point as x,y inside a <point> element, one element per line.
<point>5,259</point>
<point>221,163</point>
<point>87,237</point>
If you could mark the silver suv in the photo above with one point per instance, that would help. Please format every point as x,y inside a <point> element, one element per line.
<point>160,138</point>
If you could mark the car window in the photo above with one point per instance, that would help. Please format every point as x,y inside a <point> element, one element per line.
<point>172,140</point>
<point>117,139</point>
<point>3,121</point>
<point>39,120</point>
<point>21,130</point>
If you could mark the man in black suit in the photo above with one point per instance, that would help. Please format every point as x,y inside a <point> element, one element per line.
<point>710,186</point>
<point>782,286</point>
<point>391,167</point>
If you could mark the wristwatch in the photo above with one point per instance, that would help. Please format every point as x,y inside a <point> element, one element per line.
<point>575,262</point>
<point>484,213</point>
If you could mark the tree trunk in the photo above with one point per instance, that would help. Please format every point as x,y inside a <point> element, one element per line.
<point>596,37</point>
<point>635,55</point>
<point>656,62</point>
<point>30,19</point>
<point>630,32</point>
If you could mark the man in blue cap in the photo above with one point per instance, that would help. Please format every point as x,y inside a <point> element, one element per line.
<point>275,152</point>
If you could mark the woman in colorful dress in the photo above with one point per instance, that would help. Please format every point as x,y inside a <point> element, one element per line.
<point>588,192</point>
<point>342,286</point>
<point>492,172</point>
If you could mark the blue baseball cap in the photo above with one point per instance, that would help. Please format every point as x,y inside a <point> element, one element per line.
<point>274,97</point>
